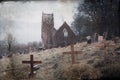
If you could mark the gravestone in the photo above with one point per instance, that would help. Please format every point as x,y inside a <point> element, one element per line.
<point>100,39</point>
<point>96,37</point>
<point>89,40</point>
<point>105,35</point>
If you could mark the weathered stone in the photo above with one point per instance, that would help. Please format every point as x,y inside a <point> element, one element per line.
<point>55,38</point>
<point>48,30</point>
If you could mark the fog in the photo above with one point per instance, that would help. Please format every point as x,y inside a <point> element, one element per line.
<point>23,19</point>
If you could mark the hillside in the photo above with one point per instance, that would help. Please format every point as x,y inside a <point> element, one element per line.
<point>53,60</point>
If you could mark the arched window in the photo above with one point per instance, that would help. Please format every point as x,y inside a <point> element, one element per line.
<point>65,32</point>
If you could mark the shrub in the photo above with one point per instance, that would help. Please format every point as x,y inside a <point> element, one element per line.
<point>111,71</point>
<point>16,71</point>
<point>80,72</point>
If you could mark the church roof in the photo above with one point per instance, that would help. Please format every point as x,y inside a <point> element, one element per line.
<point>65,25</point>
<point>62,32</point>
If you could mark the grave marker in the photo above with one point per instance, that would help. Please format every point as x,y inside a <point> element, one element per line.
<point>72,52</point>
<point>100,39</point>
<point>105,35</point>
<point>105,46</point>
<point>31,62</point>
<point>96,37</point>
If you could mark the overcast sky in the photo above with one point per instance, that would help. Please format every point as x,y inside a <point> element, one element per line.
<point>23,20</point>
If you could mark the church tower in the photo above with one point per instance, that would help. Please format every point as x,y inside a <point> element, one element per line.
<point>48,30</point>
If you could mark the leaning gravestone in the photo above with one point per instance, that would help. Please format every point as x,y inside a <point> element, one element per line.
<point>96,37</point>
<point>105,35</point>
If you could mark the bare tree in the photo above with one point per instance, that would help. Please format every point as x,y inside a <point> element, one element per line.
<point>10,41</point>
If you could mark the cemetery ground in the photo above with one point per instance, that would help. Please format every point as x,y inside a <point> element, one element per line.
<point>94,61</point>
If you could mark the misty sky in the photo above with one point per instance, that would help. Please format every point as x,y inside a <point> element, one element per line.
<point>23,19</point>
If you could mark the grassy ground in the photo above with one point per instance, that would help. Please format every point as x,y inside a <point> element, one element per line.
<point>90,64</point>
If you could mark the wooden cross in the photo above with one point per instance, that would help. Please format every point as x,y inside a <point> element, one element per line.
<point>31,62</point>
<point>72,53</point>
<point>105,45</point>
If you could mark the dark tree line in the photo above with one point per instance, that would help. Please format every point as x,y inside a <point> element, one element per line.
<point>98,16</point>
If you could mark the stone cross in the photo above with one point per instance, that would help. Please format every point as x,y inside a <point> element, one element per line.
<point>31,62</point>
<point>72,52</point>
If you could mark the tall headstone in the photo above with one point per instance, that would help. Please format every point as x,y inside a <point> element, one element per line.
<point>100,39</point>
<point>95,37</point>
<point>105,35</point>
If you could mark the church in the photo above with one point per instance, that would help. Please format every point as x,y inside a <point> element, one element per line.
<point>55,38</point>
